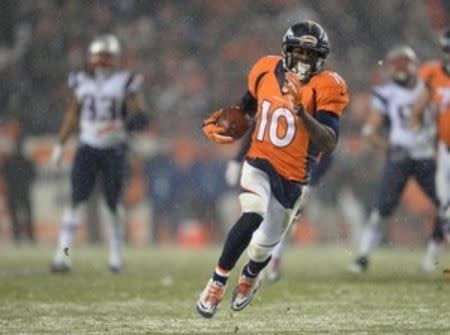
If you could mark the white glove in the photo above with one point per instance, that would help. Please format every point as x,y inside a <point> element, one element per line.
<point>57,154</point>
<point>233,172</point>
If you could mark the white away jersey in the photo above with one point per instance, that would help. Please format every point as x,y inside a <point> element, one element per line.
<point>102,118</point>
<point>395,102</point>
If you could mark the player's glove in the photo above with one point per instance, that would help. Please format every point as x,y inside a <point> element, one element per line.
<point>137,122</point>
<point>57,154</point>
<point>291,87</point>
<point>215,132</point>
<point>232,172</point>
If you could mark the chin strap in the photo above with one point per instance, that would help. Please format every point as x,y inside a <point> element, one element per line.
<point>302,70</point>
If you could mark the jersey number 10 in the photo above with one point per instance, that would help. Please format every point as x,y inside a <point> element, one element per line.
<point>272,122</point>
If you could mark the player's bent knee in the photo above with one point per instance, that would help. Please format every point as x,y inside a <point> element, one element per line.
<point>252,203</point>
<point>259,253</point>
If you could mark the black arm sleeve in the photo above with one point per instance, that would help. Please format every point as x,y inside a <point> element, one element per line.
<point>328,119</point>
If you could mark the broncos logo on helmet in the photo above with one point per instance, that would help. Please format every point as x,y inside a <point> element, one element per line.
<point>305,48</point>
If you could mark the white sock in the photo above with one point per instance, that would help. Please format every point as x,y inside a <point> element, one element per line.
<point>115,222</point>
<point>371,236</point>
<point>433,252</point>
<point>72,219</point>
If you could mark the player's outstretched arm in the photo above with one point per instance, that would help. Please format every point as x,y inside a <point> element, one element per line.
<point>419,108</point>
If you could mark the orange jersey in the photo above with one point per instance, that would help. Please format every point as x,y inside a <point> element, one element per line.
<point>438,83</point>
<point>279,136</point>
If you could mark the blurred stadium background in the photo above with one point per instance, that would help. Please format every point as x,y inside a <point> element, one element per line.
<point>195,56</point>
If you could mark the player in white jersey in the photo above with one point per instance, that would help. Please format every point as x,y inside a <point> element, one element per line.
<point>410,153</point>
<point>105,102</point>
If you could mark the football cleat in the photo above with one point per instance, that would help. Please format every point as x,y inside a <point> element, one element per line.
<point>360,265</point>
<point>210,299</point>
<point>429,264</point>
<point>115,269</point>
<point>244,292</point>
<point>61,267</point>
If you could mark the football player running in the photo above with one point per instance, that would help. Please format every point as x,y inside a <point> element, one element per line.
<point>105,100</point>
<point>436,93</point>
<point>409,153</point>
<point>296,105</point>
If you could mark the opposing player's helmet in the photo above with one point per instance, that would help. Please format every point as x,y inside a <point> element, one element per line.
<point>402,64</point>
<point>305,37</point>
<point>104,51</point>
<point>445,45</point>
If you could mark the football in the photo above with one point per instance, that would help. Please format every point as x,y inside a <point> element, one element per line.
<point>234,121</point>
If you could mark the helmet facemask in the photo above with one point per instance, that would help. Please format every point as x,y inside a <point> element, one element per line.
<point>104,55</point>
<point>302,61</point>
<point>403,70</point>
<point>305,48</point>
<point>402,64</point>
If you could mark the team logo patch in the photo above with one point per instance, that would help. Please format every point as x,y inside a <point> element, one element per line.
<point>308,39</point>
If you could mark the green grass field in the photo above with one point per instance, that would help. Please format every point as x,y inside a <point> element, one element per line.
<point>156,295</point>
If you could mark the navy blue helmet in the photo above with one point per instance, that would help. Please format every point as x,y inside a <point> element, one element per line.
<point>307,35</point>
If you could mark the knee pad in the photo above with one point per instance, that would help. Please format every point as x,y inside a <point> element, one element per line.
<point>259,253</point>
<point>253,203</point>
